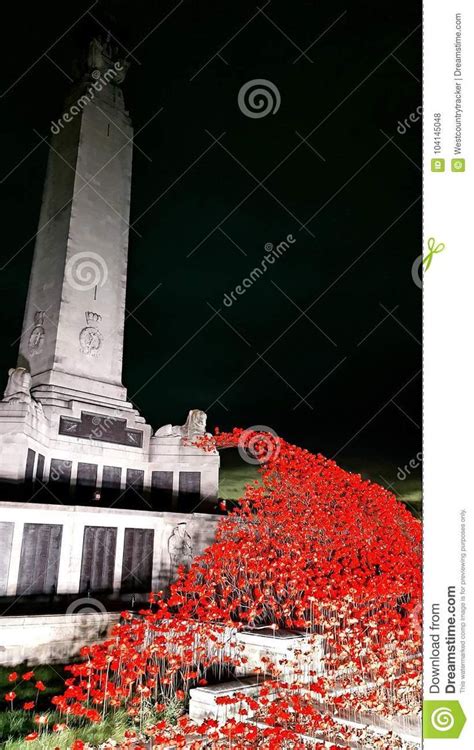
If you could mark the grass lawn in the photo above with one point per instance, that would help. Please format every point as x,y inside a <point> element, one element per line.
<point>235,474</point>
<point>408,490</point>
<point>15,725</point>
<point>52,677</point>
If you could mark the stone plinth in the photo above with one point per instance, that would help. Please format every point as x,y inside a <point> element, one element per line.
<point>279,646</point>
<point>202,704</point>
<point>48,443</point>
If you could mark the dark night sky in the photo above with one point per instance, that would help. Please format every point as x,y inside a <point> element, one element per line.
<point>363,197</point>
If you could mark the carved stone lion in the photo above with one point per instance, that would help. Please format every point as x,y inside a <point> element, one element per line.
<point>195,425</point>
<point>18,386</point>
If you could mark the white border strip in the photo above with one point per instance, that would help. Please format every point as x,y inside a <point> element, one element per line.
<point>448,350</point>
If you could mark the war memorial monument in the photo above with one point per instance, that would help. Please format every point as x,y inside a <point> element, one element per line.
<point>93,499</point>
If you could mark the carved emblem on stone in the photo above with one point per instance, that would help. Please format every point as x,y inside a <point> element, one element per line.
<point>133,438</point>
<point>105,428</point>
<point>194,426</point>
<point>90,338</point>
<point>180,548</point>
<point>36,340</point>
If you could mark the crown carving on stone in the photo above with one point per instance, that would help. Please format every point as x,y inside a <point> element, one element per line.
<point>39,317</point>
<point>92,317</point>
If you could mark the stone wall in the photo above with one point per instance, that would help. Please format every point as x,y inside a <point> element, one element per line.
<point>51,639</point>
<point>65,452</point>
<point>51,549</point>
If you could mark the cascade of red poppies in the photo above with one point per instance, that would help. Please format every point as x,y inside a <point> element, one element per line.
<point>310,547</point>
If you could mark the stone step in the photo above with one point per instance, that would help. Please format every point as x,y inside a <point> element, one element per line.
<point>202,704</point>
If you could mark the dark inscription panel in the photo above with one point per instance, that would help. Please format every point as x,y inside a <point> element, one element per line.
<point>112,477</point>
<point>189,489</point>
<point>40,468</point>
<point>97,427</point>
<point>162,488</point>
<point>60,471</point>
<point>132,497</point>
<point>59,483</point>
<point>135,479</point>
<point>86,474</point>
<point>30,464</point>
<point>111,481</point>
<point>190,482</point>
<point>29,473</point>
<point>39,561</point>
<point>86,481</point>
<point>137,560</point>
<point>6,536</point>
<point>98,558</point>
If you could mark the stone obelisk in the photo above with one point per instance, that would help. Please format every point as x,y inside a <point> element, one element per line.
<point>66,426</point>
<point>72,340</point>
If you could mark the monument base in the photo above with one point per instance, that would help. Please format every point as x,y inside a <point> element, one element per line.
<point>63,551</point>
<point>82,451</point>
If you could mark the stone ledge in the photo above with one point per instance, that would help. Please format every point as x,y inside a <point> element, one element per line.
<point>174,517</point>
<point>51,639</point>
<point>202,704</point>
<point>276,645</point>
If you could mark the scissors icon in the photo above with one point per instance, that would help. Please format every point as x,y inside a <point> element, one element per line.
<point>433,249</point>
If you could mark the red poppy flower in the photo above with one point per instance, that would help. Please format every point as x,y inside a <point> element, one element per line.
<point>309,547</point>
